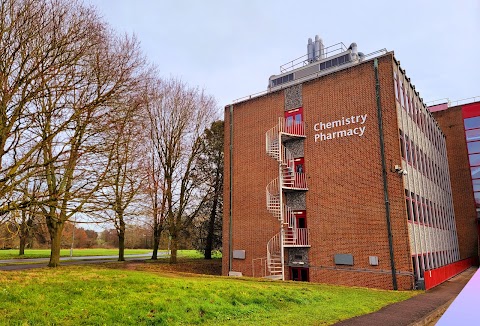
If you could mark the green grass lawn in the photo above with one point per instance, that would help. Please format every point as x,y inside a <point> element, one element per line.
<point>197,254</point>
<point>45,253</point>
<point>90,295</point>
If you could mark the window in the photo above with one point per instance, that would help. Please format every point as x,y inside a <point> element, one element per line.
<point>407,150</point>
<point>475,172</point>
<point>402,95</point>
<point>473,134</point>
<point>281,80</point>
<point>415,156</point>
<point>289,121</point>
<point>409,205</point>
<point>402,145</point>
<point>407,107</point>
<point>473,147</point>
<point>476,185</point>
<point>420,161</point>
<point>426,217</point>
<point>298,119</point>
<point>414,207</point>
<point>415,266</point>
<point>418,206</point>
<point>429,212</point>
<point>395,84</point>
<point>414,108</point>
<point>471,123</point>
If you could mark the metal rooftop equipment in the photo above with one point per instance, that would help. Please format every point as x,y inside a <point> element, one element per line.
<point>319,60</point>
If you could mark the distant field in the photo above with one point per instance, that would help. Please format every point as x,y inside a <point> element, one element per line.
<point>45,253</point>
<point>124,294</point>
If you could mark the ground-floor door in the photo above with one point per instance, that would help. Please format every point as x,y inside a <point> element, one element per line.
<point>299,274</point>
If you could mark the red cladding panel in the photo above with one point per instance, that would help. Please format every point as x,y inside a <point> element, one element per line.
<point>471,110</point>
<point>440,275</point>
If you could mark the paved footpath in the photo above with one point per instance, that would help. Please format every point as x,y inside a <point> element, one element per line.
<point>419,310</point>
<point>29,263</point>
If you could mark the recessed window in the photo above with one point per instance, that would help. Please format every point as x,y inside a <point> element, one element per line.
<point>475,172</point>
<point>472,123</point>
<point>473,134</point>
<point>476,184</point>
<point>402,96</point>
<point>402,144</point>
<point>474,159</point>
<point>473,147</point>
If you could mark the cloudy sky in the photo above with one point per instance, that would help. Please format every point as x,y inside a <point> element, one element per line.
<point>230,48</point>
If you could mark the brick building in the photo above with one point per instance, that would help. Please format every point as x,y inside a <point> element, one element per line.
<point>338,174</point>
<point>461,125</point>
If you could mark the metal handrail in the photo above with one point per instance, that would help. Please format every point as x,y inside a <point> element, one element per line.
<point>273,246</point>
<point>324,72</point>
<point>299,181</point>
<point>464,101</point>
<point>329,51</point>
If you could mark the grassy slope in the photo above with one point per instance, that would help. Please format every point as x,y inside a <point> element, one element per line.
<point>95,295</point>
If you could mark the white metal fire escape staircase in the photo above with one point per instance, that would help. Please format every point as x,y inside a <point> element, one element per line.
<point>288,180</point>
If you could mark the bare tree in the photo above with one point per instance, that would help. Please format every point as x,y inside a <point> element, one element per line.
<point>154,186</point>
<point>120,194</point>
<point>71,113</point>
<point>40,41</point>
<point>179,114</point>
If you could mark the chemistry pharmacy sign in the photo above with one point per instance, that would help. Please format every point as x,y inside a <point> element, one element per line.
<point>352,126</point>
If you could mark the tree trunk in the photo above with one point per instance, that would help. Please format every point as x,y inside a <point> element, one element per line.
<point>213,215</point>
<point>156,241</point>
<point>211,228</point>
<point>121,241</point>
<point>55,230</point>
<point>23,234</point>
<point>173,250</point>
<point>21,249</point>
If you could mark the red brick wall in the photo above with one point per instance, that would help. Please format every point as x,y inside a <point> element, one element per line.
<point>253,170</point>
<point>345,200</point>
<point>451,123</point>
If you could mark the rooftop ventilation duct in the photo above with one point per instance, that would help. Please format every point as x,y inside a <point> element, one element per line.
<point>315,50</point>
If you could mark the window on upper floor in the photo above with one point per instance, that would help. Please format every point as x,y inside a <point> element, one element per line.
<point>402,144</point>
<point>472,134</point>
<point>473,147</point>
<point>395,84</point>
<point>472,123</point>
<point>402,94</point>
<point>408,203</point>
<point>408,153</point>
<point>407,107</point>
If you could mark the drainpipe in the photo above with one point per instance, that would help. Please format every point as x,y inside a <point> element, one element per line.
<point>384,174</point>
<point>230,229</point>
